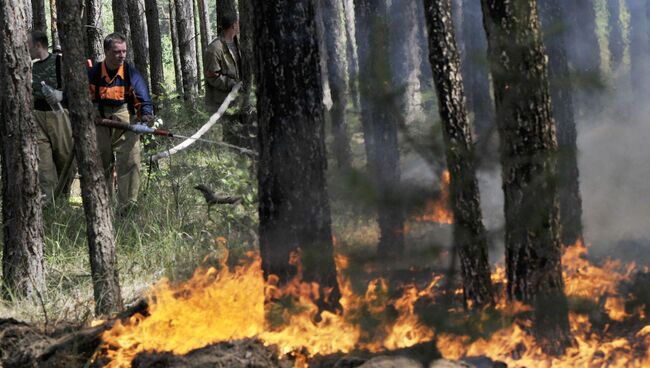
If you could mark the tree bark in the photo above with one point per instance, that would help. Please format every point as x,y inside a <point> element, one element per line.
<point>22,218</point>
<point>294,208</point>
<point>121,25</point>
<point>406,58</point>
<point>528,159</point>
<point>39,19</point>
<point>336,56</point>
<point>101,244</point>
<point>378,118</point>
<point>469,233</point>
<point>351,47</point>
<point>248,67</point>
<point>178,71</point>
<point>186,46</point>
<point>197,43</point>
<point>476,74</point>
<point>138,39</point>
<point>615,28</point>
<point>562,105</point>
<point>155,49</point>
<point>56,44</point>
<point>224,7</point>
<point>206,29</point>
<point>94,39</point>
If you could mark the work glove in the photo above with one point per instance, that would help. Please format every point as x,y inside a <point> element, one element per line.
<point>53,96</point>
<point>149,120</point>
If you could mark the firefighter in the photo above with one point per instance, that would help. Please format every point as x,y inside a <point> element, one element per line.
<point>120,92</point>
<point>54,133</point>
<point>222,72</point>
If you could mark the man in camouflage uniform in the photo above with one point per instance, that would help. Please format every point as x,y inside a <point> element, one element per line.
<point>55,145</point>
<point>222,73</point>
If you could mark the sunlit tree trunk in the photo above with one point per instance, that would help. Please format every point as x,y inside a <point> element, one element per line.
<point>176,54</point>
<point>187,48</point>
<point>197,43</point>
<point>528,159</point>
<point>379,118</point>
<point>94,37</point>
<point>96,201</point>
<point>22,218</point>
<point>155,49</point>
<point>470,237</point>
<point>562,105</point>
<point>56,44</point>
<point>351,48</point>
<point>294,208</point>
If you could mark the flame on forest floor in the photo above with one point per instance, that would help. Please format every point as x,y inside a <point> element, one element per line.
<point>437,210</point>
<point>225,304</point>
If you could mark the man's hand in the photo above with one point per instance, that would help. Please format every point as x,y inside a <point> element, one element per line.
<point>149,120</point>
<point>53,97</point>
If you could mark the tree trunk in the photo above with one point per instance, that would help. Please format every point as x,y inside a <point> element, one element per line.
<point>528,160</point>
<point>378,118</point>
<point>615,28</point>
<point>406,58</point>
<point>562,105</point>
<point>224,7</point>
<point>122,26</point>
<point>155,49</point>
<point>331,12</point>
<point>197,44</point>
<point>206,29</point>
<point>22,255</point>
<point>248,67</point>
<point>56,44</point>
<point>186,46</point>
<point>469,233</point>
<point>351,48</point>
<point>178,71</point>
<point>94,39</point>
<point>294,209</point>
<point>138,39</point>
<point>101,244</point>
<point>39,19</point>
<point>476,74</point>
<point>638,50</point>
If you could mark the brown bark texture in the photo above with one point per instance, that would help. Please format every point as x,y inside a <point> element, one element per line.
<point>187,48</point>
<point>380,118</point>
<point>178,71</point>
<point>96,201</point>
<point>39,19</point>
<point>121,25</point>
<point>56,44</point>
<point>139,47</point>
<point>294,207</point>
<point>22,218</point>
<point>94,37</point>
<point>470,237</point>
<point>197,44</point>
<point>528,158</point>
<point>155,48</point>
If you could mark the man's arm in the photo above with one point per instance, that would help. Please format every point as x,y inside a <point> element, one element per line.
<point>140,94</point>
<point>214,75</point>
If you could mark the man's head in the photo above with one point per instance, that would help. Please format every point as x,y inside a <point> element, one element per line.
<point>37,44</point>
<point>230,24</point>
<point>115,50</point>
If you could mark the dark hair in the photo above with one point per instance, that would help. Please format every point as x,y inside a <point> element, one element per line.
<point>228,20</point>
<point>113,38</point>
<point>39,37</point>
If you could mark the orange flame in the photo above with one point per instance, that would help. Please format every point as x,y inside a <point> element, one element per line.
<point>438,210</point>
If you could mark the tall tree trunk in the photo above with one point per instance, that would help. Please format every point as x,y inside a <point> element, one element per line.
<point>528,159</point>
<point>294,208</point>
<point>331,12</point>
<point>562,105</point>
<point>426,78</point>
<point>178,71</point>
<point>248,67</point>
<point>206,29</point>
<point>94,39</point>
<point>155,49</point>
<point>186,46</point>
<point>615,28</point>
<point>469,233</point>
<point>378,118</point>
<point>56,44</point>
<point>138,39</point>
<point>224,7</point>
<point>406,58</point>
<point>351,47</point>
<point>22,255</point>
<point>197,44</point>
<point>101,244</point>
<point>121,25</point>
<point>39,19</point>
<point>638,50</point>
<point>476,74</point>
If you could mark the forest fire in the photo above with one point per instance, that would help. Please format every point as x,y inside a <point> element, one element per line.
<point>222,305</point>
<point>437,210</point>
